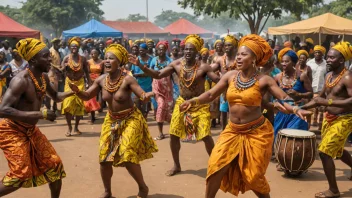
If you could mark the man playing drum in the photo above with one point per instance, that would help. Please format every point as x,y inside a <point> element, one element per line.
<point>337,125</point>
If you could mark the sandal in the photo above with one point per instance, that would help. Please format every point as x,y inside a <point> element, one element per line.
<point>76,133</point>
<point>327,194</point>
<point>160,137</point>
<point>68,134</point>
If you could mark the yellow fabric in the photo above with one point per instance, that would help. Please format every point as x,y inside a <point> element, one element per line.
<point>29,47</point>
<point>200,118</point>
<point>231,39</point>
<point>320,48</point>
<point>216,42</point>
<point>334,135</point>
<point>74,40</point>
<point>73,104</point>
<point>283,52</point>
<point>119,51</point>
<point>248,152</point>
<point>55,40</point>
<point>150,41</point>
<point>195,40</point>
<point>310,40</point>
<point>204,51</point>
<point>55,58</point>
<point>303,52</point>
<point>259,47</point>
<point>130,142</point>
<point>345,48</point>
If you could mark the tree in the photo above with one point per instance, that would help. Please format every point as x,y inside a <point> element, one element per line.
<point>341,8</point>
<point>255,12</point>
<point>61,14</point>
<point>167,17</point>
<point>134,18</point>
<point>14,13</point>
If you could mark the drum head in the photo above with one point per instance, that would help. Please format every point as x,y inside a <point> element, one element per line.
<point>297,133</point>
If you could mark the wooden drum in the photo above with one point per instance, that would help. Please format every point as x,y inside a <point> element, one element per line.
<point>295,150</point>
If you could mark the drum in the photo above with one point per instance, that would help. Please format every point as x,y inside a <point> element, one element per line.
<point>295,150</point>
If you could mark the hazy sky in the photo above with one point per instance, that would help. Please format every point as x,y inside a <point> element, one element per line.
<point>115,9</point>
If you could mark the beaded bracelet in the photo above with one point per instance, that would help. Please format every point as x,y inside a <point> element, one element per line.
<point>142,98</point>
<point>330,102</point>
<point>295,109</point>
<point>196,101</point>
<point>45,113</point>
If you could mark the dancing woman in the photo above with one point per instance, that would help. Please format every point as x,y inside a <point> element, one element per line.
<point>242,153</point>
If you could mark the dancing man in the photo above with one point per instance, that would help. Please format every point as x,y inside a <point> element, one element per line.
<point>31,158</point>
<point>223,65</point>
<point>336,96</point>
<point>76,70</point>
<point>125,138</point>
<point>195,120</point>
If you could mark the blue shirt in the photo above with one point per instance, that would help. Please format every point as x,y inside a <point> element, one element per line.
<point>156,65</point>
<point>144,82</point>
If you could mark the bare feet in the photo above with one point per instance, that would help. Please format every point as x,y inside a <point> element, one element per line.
<point>327,194</point>
<point>173,171</point>
<point>106,195</point>
<point>143,192</point>
<point>76,132</point>
<point>68,133</point>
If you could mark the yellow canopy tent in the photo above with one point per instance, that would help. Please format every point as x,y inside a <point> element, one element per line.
<point>324,24</point>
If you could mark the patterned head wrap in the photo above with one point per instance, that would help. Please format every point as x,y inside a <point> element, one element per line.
<point>165,43</point>
<point>204,50</point>
<point>143,45</point>
<point>310,40</point>
<point>74,40</point>
<point>231,39</point>
<point>195,40</point>
<point>320,48</point>
<point>217,41</point>
<point>29,47</point>
<point>288,44</point>
<point>289,52</point>
<point>259,47</point>
<point>302,52</point>
<point>345,48</point>
<point>119,51</point>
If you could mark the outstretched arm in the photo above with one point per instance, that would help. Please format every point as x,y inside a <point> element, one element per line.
<point>210,73</point>
<point>56,96</point>
<point>137,90</point>
<point>92,90</point>
<point>86,71</point>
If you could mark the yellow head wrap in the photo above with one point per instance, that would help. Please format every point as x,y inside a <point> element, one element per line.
<point>55,40</point>
<point>119,51</point>
<point>302,52</point>
<point>345,48</point>
<point>203,51</point>
<point>150,41</point>
<point>217,41</point>
<point>231,39</point>
<point>259,47</point>
<point>29,47</point>
<point>320,48</point>
<point>310,40</point>
<point>74,40</point>
<point>195,40</point>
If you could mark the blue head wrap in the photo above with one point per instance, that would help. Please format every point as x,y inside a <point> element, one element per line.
<point>293,56</point>
<point>143,45</point>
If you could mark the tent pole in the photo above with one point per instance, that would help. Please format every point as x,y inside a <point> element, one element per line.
<point>319,38</point>
<point>343,37</point>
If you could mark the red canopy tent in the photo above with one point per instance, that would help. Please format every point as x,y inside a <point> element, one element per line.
<point>185,27</point>
<point>10,28</point>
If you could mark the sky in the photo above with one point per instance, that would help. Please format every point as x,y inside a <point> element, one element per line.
<point>116,9</point>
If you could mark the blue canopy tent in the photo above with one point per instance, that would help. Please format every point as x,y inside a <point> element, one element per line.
<point>92,29</point>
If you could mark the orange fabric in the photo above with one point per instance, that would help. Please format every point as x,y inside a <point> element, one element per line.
<point>91,105</point>
<point>288,44</point>
<point>247,148</point>
<point>31,158</point>
<point>248,97</point>
<point>283,52</point>
<point>95,69</point>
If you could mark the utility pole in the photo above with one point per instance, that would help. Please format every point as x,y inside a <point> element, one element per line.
<point>147,11</point>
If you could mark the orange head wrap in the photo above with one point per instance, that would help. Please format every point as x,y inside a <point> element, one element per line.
<point>320,48</point>
<point>302,52</point>
<point>289,52</point>
<point>259,47</point>
<point>345,48</point>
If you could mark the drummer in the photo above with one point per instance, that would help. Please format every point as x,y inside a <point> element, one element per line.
<point>296,83</point>
<point>337,125</point>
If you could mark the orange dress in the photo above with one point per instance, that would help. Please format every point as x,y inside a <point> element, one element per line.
<point>246,147</point>
<point>95,72</point>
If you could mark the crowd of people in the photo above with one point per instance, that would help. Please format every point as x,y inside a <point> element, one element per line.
<point>192,87</point>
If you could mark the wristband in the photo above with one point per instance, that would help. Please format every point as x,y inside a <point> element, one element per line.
<point>196,101</point>
<point>295,109</point>
<point>142,98</point>
<point>330,102</point>
<point>45,113</point>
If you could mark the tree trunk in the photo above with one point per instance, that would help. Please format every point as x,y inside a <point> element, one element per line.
<point>251,26</point>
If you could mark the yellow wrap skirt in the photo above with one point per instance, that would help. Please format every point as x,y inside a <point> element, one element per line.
<point>247,148</point>
<point>73,104</point>
<point>125,138</point>
<point>195,120</point>
<point>335,131</point>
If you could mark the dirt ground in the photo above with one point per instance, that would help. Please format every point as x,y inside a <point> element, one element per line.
<point>80,158</point>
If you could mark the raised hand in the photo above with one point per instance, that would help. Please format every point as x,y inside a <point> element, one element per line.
<point>74,87</point>
<point>133,59</point>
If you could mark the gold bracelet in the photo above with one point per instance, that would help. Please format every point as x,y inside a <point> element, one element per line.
<point>196,100</point>
<point>45,113</point>
<point>295,109</point>
<point>330,102</point>
<point>142,98</point>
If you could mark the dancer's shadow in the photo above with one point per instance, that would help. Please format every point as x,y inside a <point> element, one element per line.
<point>157,195</point>
<point>317,174</point>
<point>60,140</point>
<point>201,172</point>
<point>88,134</point>
<point>347,193</point>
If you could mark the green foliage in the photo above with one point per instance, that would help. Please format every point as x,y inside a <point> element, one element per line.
<point>341,8</point>
<point>61,14</point>
<point>134,18</point>
<point>14,13</point>
<point>255,12</point>
<point>167,17</point>
<point>222,23</point>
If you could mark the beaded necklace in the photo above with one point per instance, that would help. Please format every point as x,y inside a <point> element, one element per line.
<point>336,80</point>
<point>74,65</point>
<point>40,90</point>
<point>157,64</point>
<point>287,86</point>
<point>113,87</point>
<point>230,67</point>
<point>188,82</point>
<point>243,85</point>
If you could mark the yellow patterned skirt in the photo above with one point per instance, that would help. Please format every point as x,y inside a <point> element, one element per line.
<point>73,104</point>
<point>32,160</point>
<point>195,120</point>
<point>335,131</point>
<point>125,138</point>
<point>247,148</point>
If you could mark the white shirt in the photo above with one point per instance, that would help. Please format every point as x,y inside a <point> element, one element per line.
<point>15,69</point>
<point>318,73</point>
